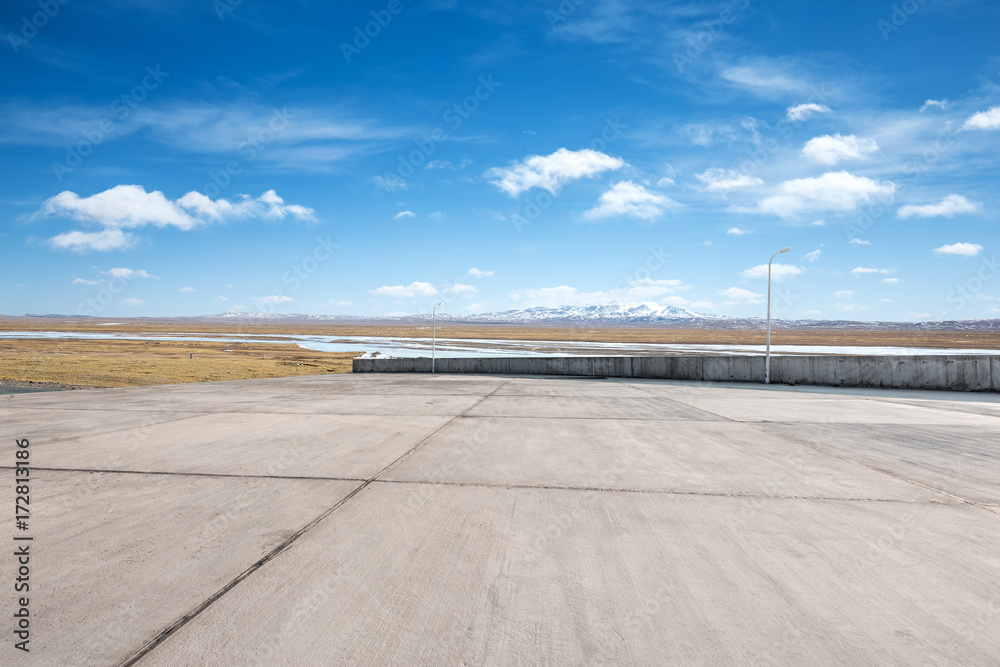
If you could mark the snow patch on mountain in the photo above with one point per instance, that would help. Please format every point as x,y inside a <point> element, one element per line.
<point>646,312</point>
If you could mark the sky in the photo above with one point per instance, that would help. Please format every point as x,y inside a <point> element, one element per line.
<point>377,158</point>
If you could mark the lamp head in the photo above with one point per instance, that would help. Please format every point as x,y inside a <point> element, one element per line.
<point>784,250</point>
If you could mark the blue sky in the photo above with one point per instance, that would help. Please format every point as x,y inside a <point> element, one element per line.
<point>373,158</point>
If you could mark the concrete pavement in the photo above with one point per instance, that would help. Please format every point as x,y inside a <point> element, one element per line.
<point>418,519</point>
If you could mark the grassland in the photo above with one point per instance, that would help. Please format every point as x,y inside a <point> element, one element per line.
<point>119,363</point>
<point>126,363</point>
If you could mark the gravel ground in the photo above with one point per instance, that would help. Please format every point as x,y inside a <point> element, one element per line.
<point>18,387</point>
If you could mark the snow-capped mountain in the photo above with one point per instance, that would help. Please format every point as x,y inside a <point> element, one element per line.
<point>643,313</point>
<point>613,314</point>
<point>610,313</point>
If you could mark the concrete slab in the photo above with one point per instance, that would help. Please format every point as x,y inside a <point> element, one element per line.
<point>565,387</point>
<point>982,407</point>
<point>285,445</point>
<point>117,557</point>
<point>679,457</point>
<point>589,407</point>
<point>476,575</point>
<point>415,405</point>
<point>316,401</point>
<point>556,523</point>
<point>47,424</point>
<point>825,410</point>
<point>960,460</point>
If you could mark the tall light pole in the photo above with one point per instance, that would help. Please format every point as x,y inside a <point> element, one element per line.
<point>767,358</point>
<point>433,336</point>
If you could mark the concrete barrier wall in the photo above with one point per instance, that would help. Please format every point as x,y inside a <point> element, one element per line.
<point>947,372</point>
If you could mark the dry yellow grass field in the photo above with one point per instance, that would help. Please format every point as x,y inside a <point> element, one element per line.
<point>119,363</point>
<point>126,363</point>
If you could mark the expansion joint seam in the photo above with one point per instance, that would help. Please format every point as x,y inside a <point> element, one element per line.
<point>167,632</point>
<point>884,471</point>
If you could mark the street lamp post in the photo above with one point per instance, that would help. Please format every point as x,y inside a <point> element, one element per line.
<point>433,335</point>
<point>767,357</point>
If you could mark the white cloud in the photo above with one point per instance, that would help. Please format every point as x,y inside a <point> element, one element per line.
<point>948,207</point>
<point>390,184</point>
<point>707,243</point>
<point>862,270</point>
<point>189,290</point>
<point>109,239</point>
<point>829,150</point>
<point>647,288</point>
<point>404,214</point>
<point>119,273</point>
<point>272,299</point>
<point>122,206</point>
<point>891,281</point>
<point>476,273</point>
<point>664,182</point>
<point>859,242</point>
<point>778,271</point>
<point>818,223</point>
<point>765,77</point>
<point>313,135</point>
<point>268,205</point>
<point>812,256</point>
<point>663,292</point>
<point>984,120</point>
<point>459,289</point>
<point>128,274</point>
<point>736,231</point>
<point>963,249</point>
<point>628,198</point>
<point>742,295</point>
<point>833,191</point>
<point>930,104</point>
<point>410,291</point>
<point>339,302</point>
<point>707,136</point>
<point>720,180</point>
<point>843,294</point>
<point>445,164</point>
<point>130,206</point>
<point>801,112</point>
<point>437,216</point>
<point>132,301</point>
<point>220,299</point>
<point>551,172</point>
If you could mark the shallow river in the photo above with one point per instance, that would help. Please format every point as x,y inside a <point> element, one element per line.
<point>451,347</point>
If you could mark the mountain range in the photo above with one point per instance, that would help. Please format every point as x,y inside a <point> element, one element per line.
<point>614,314</point>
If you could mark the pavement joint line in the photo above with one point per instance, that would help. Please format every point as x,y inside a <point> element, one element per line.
<point>164,634</point>
<point>995,509</point>
<point>665,492</point>
<point>676,400</point>
<point>464,413</point>
<point>191,474</point>
<point>934,406</point>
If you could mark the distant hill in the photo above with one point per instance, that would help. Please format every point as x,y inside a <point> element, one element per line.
<point>617,315</point>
